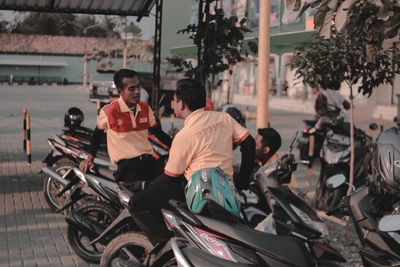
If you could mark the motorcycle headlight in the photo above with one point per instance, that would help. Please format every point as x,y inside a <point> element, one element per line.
<point>319,226</point>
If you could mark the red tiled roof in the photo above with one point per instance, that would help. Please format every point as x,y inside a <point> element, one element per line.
<point>62,45</point>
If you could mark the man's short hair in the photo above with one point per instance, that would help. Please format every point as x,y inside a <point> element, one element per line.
<point>271,138</point>
<point>192,94</point>
<point>123,73</point>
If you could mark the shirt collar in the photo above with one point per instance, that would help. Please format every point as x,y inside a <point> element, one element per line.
<point>189,119</point>
<point>124,107</point>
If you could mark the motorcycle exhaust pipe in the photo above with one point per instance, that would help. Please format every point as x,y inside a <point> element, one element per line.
<point>55,175</point>
<point>84,224</point>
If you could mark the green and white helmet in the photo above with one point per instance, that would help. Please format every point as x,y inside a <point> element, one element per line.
<point>212,184</point>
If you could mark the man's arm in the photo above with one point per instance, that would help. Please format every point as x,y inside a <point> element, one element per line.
<point>247,148</point>
<point>161,135</point>
<point>94,146</point>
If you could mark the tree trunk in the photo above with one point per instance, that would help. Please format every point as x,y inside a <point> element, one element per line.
<point>351,178</point>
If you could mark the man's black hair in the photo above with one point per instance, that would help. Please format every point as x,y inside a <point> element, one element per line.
<point>192,94</point>
<point>329,83</point>
<point>271,138</point>
<point>123,73</point>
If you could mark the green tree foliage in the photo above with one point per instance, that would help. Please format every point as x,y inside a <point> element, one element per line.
<point>133,28</point>
<point>372,20</point>
<point>345,59</point>
<point>220,44</point>
<point>64,24</point>
<point>4,25</point>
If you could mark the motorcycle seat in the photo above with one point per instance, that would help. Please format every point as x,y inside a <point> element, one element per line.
<point>288,248</point>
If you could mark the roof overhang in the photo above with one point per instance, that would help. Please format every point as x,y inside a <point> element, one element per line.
<point>139,8</point>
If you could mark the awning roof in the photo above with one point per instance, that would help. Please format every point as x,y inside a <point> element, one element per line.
<point>140,8</point>
<point>11,62</point>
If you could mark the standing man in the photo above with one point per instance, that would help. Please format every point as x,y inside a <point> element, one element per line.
<point>205,141</point>
<point>127,121</point>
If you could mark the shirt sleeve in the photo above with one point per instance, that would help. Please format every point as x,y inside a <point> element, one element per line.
<point>239,133</point>
<point>102,122</point>
<point>152,119</point>
<point>180,156</point>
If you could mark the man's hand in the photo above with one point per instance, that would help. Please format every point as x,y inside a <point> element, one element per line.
<point>87,164</point>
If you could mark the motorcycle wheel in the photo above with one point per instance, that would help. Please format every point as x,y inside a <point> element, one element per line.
<point>99,211</point>
<point>51,187</point>
<point>129,249</point>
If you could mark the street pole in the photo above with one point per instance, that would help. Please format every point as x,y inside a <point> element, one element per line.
<point>263,115</point>
<point>84,71</point>
<point>125,49</point>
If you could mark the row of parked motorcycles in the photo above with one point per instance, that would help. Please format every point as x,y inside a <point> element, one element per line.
<point>277,227</point>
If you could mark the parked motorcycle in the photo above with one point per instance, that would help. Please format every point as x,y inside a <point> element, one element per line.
<point>335,159</point>
<point>70,148</point>
<point>231,241</point>
<point>62,157</point>
<point>375,206</point>
<point>290,215</point>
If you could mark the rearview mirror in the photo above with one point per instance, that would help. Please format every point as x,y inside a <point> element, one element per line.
<point>335,181</point>
<point>389,223</point>
<point>373,126</point>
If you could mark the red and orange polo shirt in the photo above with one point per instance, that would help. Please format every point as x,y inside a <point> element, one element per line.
<point>126,132</point>
<point>205,141</point>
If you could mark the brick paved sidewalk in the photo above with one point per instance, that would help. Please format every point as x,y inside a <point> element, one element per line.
<point>30,234</point>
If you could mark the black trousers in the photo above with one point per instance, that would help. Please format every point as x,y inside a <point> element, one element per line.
<point>143,168</point>
<point>146,208</point>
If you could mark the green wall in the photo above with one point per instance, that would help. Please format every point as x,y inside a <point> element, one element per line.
<point>72,72</point>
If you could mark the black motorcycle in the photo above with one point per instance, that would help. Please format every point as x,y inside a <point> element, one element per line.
<point>335,159</point>
<point>70,148</point>
<point>375,206</point>
<point>368,206</point>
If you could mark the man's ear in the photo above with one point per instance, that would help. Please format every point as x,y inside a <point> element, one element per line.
<point>266,149</point>
<point>119,91</point>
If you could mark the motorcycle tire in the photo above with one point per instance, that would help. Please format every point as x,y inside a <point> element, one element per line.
<point>125,250</point>
<point>51,187</point>
<point>99,211</point>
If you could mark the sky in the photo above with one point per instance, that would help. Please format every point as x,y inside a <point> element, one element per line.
<point>147,24</point>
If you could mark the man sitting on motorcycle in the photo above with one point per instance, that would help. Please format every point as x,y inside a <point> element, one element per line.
<point>268,141</point>
<point>329,103</point>
<point>127,121</point>
<point>204,142</point>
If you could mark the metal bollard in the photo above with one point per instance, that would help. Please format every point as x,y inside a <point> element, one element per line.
<point>28,142</point>
<point>24,127</point>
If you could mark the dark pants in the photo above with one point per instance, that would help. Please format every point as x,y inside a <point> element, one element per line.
<point>146,208</point>
<point>143,168</point>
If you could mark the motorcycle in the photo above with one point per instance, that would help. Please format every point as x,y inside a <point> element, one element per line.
<point>70,148</point>
<point>335,159</point>
<point>290,215</point>
<point>293,218</point>
<point>375,214</point>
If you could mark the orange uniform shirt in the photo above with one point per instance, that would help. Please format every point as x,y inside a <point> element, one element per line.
<point>205,141</point>
<point>126,132</point>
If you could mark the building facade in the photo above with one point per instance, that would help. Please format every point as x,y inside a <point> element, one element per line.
<point>288,31</point>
